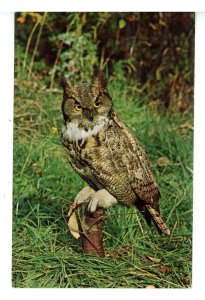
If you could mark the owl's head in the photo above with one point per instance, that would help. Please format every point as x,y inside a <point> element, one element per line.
<point>86,104</point>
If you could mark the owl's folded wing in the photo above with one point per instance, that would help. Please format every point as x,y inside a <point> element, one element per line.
<point>138,167</point>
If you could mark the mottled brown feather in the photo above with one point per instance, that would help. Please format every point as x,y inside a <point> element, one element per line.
<point>113,159</point>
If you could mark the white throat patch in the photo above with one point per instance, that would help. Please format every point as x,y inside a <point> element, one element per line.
<point>72,132</point>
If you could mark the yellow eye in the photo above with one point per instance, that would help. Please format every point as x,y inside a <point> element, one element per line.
<point>97,103</point>
<point>78,107</point>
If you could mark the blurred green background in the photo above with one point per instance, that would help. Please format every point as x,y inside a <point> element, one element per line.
<point>148,59</point>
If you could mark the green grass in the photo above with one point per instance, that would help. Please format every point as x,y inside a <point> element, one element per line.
<point>44,252</point>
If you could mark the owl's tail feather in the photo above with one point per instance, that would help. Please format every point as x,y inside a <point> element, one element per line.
<point>158,220</point>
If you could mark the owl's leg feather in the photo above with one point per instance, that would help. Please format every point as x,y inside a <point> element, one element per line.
<point>84,196</point>
<point>101,198</point>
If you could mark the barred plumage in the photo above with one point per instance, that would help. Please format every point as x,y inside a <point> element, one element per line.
<point>105,154</point>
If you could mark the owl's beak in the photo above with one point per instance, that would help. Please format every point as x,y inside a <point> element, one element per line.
<point>88,113</point>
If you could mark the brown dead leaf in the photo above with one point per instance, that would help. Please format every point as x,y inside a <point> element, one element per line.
<point>120,251</point>
<point>186,280</point>
<point>152,259</point>
<point>164,270</point>
<point>123,250</point>
<point>73,225</point>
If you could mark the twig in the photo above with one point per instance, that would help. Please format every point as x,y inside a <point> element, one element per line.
<point>36,45</point>
<point>175,225</point>
<point>29,42</point>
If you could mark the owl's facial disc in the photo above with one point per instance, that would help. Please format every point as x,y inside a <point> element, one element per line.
<point>86,109</point>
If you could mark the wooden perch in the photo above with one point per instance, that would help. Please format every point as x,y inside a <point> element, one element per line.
<point>92,227</point>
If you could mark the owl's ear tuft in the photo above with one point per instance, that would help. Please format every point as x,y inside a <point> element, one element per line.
<point>101,80</point>
<point>66,85</point>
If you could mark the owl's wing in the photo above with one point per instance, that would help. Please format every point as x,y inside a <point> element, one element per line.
<point>138,167</point>
<point>141,178</point>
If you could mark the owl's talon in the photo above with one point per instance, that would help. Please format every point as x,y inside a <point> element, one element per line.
<point>92,206</point>
<point>101,198</point>
<point>84,196</point>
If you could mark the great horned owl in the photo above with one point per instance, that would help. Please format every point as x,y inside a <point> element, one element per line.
<point>105,154</point>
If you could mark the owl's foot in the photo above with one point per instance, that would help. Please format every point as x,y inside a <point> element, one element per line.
<point>84,196</point>
<point>101,198</point>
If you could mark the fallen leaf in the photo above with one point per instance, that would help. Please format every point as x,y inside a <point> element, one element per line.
<point>150,287</point>
<point>152,259</point>
<point>186,280</point>
<point>73,225</point>
<point>71,209</point>
<point>164,270</point>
